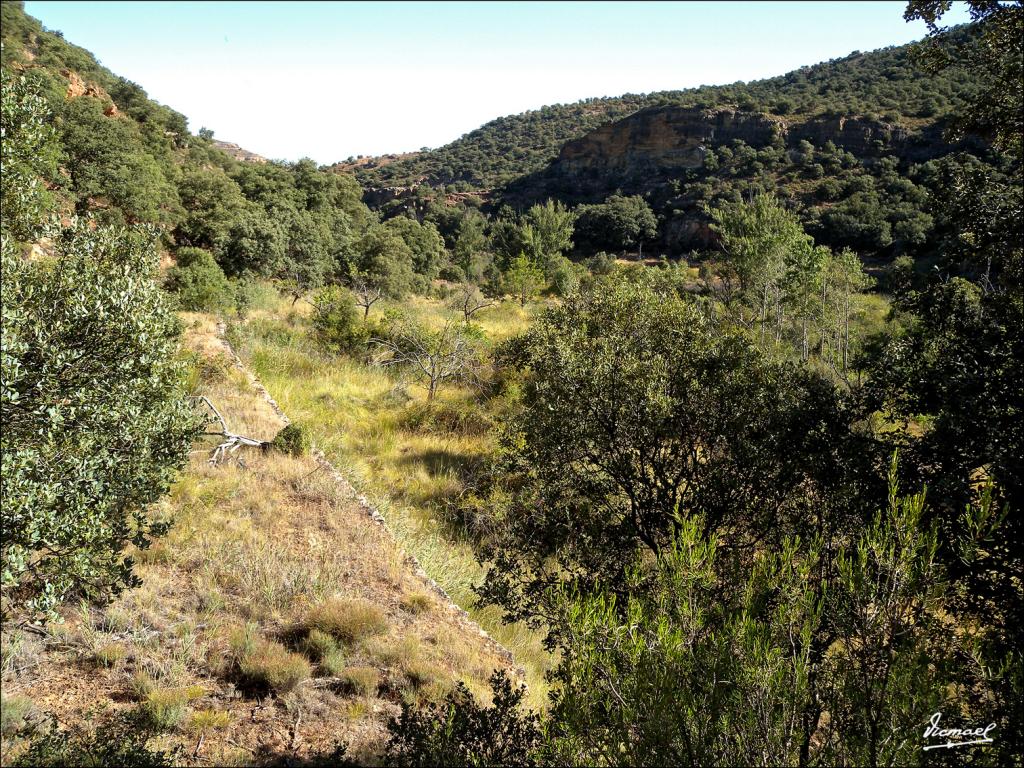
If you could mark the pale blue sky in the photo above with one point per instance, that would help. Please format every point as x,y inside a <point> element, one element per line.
<point>328,80</point>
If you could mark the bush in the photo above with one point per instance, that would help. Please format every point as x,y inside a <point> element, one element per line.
<point>165,708</point>
<point>95,422</point>
<point>13,711</point>
<point>208,720</point>
<point>123,741</point>
<point>108,655</point>
<point>601,264</point>
<point>564,276</point>
<point>360,680</point>
<point>337,325</point>
<point>333,663</point>
<point>460,732</point>
<point>199,282</point>
<point>293,440</point>
<point>318,645</point>
<point>416,603</point>
<point>271,666</point>
<point>348,620</point>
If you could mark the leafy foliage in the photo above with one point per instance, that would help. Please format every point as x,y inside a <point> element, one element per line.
<point>636,412</point>
<point>618,224</point>
<point>292,439</point>
<point>687,670</point>
<point>199,282</point>
<point>119,741</point>
<point>336,321</point>
<point>28,156</point>
<point>461,732</point>
<point>95,424</point>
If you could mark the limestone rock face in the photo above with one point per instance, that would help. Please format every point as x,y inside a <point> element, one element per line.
<point>854,134</point>
<point>663,138</point>
<point>657,143</point>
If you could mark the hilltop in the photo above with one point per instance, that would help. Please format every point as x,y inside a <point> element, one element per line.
<point>879,85</point>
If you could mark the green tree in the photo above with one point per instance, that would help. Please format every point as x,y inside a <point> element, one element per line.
<point>95,425</point>
<point>637,411</point>
<point>469,252</point>
<point>213,203</point>
<point>424,241</point>
<point>547,231</point>
<point>111,169</point>
<point>618,224</point>
<point>523,279</point>
<point>384,261</point>
<point>29,155</point>
<point>760,240</point>
<point>308,255</point>
<point>198,282</point>
<point>996,109</point>
<point>256,242</point>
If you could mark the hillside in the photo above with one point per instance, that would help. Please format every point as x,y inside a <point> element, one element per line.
<point>881,84</point>
<point>260,543</point>
<point>122,158</point>
<point>682,435</point>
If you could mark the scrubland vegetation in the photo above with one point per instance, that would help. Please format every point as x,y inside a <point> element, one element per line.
<point>759,506</point>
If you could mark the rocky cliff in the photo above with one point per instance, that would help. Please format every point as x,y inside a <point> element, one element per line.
<point>660,142</point>
<point>664,138</point>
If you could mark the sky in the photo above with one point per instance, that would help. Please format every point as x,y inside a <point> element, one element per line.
<point>330,80</point>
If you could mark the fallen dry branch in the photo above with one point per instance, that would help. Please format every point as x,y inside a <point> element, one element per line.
<point>232,442</point>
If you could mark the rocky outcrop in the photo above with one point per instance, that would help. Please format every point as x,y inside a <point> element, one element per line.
<point>657,143</point>
<point>78,87</point>
<point>663,138</point>
<point>243,155</point>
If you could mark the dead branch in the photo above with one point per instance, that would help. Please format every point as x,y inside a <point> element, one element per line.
<point>469,300</point>
<point>232,442</point>
<point>437,357</point>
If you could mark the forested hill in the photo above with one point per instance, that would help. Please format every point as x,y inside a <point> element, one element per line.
<point>122,158</point>
<point>882,84</point>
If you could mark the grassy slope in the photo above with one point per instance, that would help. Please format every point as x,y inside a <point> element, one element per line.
<point>369,423</point>
<point>250,551</point>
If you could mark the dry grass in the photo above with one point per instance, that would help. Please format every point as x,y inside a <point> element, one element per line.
<point>204,720</point>
<point>254,547</point>
<point>345,619</point>
<point>362,681</point>
<point>417,602</point>
<point>407,457</point>
<point>13,712</point>
<point>164,709</point>
<point>318,645</point>
<point>272,667</point>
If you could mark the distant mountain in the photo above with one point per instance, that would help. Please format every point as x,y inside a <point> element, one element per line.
<point>883,86</point>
